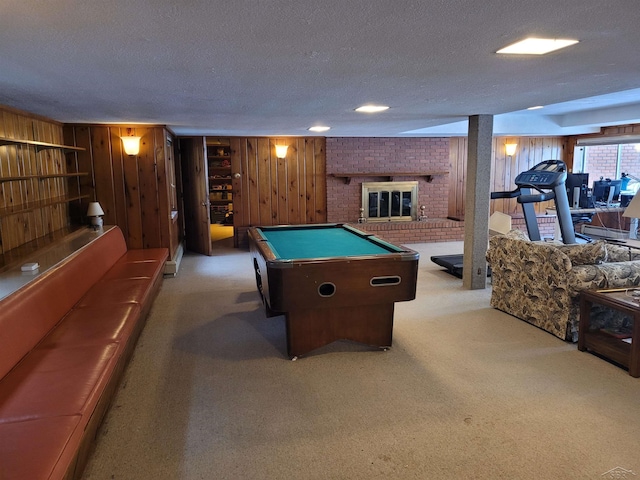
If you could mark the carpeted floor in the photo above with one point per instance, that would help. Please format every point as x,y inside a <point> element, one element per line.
<point>466,392</point>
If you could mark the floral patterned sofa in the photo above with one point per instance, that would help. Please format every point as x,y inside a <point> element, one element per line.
<point>540,282</point>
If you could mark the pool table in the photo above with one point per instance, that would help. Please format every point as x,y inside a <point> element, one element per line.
<point>332,282</point>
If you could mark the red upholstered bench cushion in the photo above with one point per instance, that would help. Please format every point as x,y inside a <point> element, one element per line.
<point>55,381</point>
<point>129,268</point>
<point>32,449</point>
<point>91,325</point>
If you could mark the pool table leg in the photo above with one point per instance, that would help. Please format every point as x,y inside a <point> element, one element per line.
<point>308,329</point>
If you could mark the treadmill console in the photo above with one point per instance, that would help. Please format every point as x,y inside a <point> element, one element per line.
<point>545,181</point>
<point>547,174</point>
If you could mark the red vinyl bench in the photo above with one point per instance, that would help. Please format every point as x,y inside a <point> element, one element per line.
<point>65,339</point>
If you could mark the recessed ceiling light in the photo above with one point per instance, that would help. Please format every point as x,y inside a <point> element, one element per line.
<point>319,128</point>
<point>536,46</point>
<point>537,107</point>
<point>372,108</point>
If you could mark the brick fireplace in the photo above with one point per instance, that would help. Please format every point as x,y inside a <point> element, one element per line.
<point>352,162</point>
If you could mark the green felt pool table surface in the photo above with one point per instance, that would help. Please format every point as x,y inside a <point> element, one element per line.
<point>323,242</point>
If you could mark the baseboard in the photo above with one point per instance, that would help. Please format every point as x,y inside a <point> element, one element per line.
<point>171,267</point>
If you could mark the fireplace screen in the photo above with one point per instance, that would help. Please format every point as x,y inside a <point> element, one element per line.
<point>389,201</point>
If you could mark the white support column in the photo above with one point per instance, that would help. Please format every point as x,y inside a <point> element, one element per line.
<point>477,199</point>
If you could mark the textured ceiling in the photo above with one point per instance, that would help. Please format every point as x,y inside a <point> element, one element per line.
<point>274,67</point>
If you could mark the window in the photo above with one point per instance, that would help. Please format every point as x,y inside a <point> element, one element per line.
<point>610,161</point>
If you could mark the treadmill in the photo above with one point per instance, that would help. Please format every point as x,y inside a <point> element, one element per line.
<point>545,181</point>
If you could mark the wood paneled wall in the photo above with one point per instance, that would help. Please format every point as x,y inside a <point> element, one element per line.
<point>272,191</point>
<point>23,160</point>
<point>135,191</point>
<point>504,169</point>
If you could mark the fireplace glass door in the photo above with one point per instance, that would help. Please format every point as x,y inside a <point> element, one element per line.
<point>390,201</point>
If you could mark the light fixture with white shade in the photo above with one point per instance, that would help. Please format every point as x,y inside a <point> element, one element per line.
<point>281,151</point>
<point>95,212</point>
<point>131,145</point>
<point>499,223</point>
<point>510,149</point>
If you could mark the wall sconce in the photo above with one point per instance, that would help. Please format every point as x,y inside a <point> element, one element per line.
<point>95,212</point>
<point>510,148</point>
<point>131,145</point>
<point>281,151</point>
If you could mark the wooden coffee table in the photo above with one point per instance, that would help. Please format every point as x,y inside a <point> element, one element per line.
<point>619,350</point>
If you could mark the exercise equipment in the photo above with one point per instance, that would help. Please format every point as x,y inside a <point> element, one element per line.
<point>545,181</point>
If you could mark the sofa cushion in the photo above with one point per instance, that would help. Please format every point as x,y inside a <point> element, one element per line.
<point>31,449</point>
<point>585,253</point>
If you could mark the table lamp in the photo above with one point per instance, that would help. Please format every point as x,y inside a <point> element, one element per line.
<point>95,212</point>
<point>499,223</point>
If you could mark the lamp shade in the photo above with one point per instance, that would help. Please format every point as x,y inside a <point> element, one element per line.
<point>94,210</point>
<point>510,148</point>
<point>633,210</point>
<point>131,145</point>
<point>499,223</point>
<point>281,151</point>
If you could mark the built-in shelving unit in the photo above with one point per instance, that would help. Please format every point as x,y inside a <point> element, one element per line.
<point>35,190</point>
<point>31,206</point>
<point>388,175</point>
<point>220,181</point>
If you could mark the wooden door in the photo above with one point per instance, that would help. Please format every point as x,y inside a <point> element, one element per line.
<point>196,198</point>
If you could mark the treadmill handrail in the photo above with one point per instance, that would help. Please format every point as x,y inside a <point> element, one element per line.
<point>539,197</point>
<point>511,194</point>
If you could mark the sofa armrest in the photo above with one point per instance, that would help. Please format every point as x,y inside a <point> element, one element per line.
<point>619,253</point>
<point>621,274</point>
<point>528,275</point>
<point>586,277</point>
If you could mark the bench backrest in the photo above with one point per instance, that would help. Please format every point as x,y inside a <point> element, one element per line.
<point>28,314</point>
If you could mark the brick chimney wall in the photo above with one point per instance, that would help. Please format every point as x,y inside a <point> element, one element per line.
<point>385,155</point>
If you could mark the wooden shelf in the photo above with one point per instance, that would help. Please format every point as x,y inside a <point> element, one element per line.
<point>18,177</point>
<point>389,175</point>
<point>64,175</point>
<point>42,177</point>
<point>31,206</point>
<point>39,145</point>
<point>25,252</point>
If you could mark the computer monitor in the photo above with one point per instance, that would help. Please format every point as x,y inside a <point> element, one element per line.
<point>607,190</point>
<point>577,188</point>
